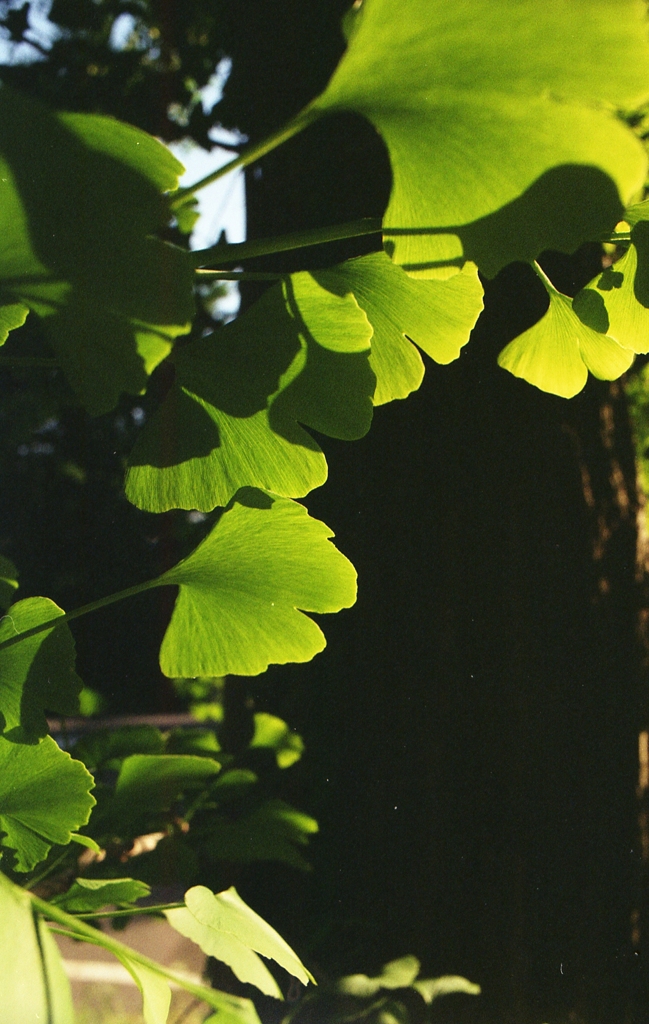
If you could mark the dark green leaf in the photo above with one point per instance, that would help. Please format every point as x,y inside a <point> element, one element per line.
<point>154,781</point>
<point>89,894</point>
<point>274,832</point>
<point>80,196</point>
<point>37,674</point>
<point>8,582</point>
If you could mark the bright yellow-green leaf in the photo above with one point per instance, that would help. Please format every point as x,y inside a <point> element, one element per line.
<point>498,121</point>
<point>227,928</point>
<point>33,985</point>
<point>245,589</point>
<point>11,316</point>
<point>437,315</point>
<point>156,994</point>
<point>8,582</point>
<point>557,352</point>
<point>273,732</point>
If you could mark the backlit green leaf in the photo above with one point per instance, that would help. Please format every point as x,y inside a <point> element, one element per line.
<point>244,591</point>
<point>396,974</point>
<point>44,796</point>
<point>225,923</point>
<point>81,196</point>
<point>616,302</point>
<point>11,316</point>
<point>273,732</point>
<point>26,974</point>
<point>557,352</point>
<point>448,984</point>
<point>37,674</point>
<point>156,994</point>
<point>437,315</point>
<point>88,894</point>
<point>497,118</point>
<point>299,356</point>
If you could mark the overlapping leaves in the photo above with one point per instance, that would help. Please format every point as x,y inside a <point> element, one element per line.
<point>300,357</point>
<point>557,352</point>
<point>497,120</point>
<point>81,195</point>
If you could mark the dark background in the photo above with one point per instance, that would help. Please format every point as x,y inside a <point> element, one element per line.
<point>472,727</point>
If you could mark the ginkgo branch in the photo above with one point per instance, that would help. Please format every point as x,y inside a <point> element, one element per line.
<point>225,253</point>
<point>251,153</point>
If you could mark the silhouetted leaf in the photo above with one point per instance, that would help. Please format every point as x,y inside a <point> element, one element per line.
<point>81,194</point>
<point>273,831</point>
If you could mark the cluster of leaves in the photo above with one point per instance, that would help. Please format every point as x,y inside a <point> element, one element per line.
<point>487,168</point>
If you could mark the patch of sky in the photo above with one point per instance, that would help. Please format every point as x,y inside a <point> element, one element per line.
<point>41,33</point>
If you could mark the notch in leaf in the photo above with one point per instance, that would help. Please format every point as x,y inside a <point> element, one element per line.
<point>557,352</point>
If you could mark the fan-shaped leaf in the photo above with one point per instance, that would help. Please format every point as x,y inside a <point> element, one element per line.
<point>38,673</point>
<point>80,196</point>
<point>225,927</point>
<point>44,796</point>
<point>437,315</point>
<point>396,974</point>
<point>298,356</point>
<point>448,984</point>
<point>11,316</point>
<point>557,352</point>
<point>244,591</point>
<point>156,994</point>
<point>273,732</point>
<point>274,831</point>
<point>495,118</point>
<point>154,781</point>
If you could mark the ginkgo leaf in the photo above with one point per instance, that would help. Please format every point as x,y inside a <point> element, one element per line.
<point>154,781</point>
<point>37,674</point>
<point>498,121</point>
<point>12,315</point>
<point>8,582</point>
<point>88,894</point>
<point>156,994</point>
<point>44,796</point>
<point>396,974</point>
<point>245,589</point>
<point>227,928</point>
<point>437,315</point>
<point>299,356</point>
<point>557,352</point>
<point>274,733</point>
<point>81,196</point>
<point>432,988</point>
<point>32,981</point>
<point>274,831</point>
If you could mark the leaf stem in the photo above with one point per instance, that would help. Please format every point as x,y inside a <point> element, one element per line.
<point>251,153</point>
<point>49,868</point>
<point>97,914</point>
<point>237,275</point>
<point>94,606</point>
<point>225,253</point>
<point>87,933</point>
<point>539,271</point>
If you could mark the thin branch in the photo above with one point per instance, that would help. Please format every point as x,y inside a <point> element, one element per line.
<point>251,153</point>
<point>224,253</point>
<point>131,912</point>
